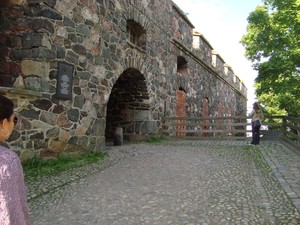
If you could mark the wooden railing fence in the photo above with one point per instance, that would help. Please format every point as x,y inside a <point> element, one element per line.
<point>232,127</point>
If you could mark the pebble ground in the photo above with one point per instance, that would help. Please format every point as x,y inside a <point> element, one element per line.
<point>178,183</point>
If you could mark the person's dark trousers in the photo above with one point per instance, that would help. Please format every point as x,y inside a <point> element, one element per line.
<point>255,135</point>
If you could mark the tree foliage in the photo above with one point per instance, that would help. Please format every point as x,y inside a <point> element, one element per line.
<point>272,44</point>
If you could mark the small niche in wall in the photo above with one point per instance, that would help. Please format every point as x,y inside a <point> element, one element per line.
<point>182,66</point>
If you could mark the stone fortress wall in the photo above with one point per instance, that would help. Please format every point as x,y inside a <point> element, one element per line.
<point>78,69</point>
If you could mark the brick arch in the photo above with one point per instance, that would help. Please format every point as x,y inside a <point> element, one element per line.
<point>137,13</point>
<point>134,59</point>
<point>130,60</point>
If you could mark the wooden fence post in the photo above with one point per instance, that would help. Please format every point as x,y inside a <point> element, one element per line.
<point>298,132</point>
<point>284,126</point>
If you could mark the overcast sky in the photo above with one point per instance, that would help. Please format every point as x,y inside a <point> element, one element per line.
<point>223,23</point>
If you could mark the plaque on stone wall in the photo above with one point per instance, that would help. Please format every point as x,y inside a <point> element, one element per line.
<point>64,81</point>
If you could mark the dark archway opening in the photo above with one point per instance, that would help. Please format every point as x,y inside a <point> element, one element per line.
<point>128,106</point>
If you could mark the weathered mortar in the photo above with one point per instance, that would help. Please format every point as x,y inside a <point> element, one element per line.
<point>91,35</point>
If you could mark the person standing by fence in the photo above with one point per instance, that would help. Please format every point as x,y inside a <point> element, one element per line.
<point>257,116</point>
<point>13,203</point>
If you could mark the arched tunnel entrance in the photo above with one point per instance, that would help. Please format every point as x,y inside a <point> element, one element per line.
<point>129,107</point>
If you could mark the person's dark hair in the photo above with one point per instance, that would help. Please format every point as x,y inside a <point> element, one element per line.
<point>6,108</point>
<point>256,106</point>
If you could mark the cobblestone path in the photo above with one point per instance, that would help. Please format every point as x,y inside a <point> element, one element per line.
<point>184,182</point>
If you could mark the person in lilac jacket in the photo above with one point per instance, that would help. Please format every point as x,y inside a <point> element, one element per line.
<point>13,204</point>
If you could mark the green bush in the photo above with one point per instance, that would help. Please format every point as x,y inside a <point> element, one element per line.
<point>155,139</point>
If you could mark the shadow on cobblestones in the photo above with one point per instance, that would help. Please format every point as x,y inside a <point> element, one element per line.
<point>184,182</point>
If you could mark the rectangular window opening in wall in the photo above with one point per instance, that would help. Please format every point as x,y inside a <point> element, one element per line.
<point>182,66</point>
<point>136,35</point>
<point>214,61</point>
